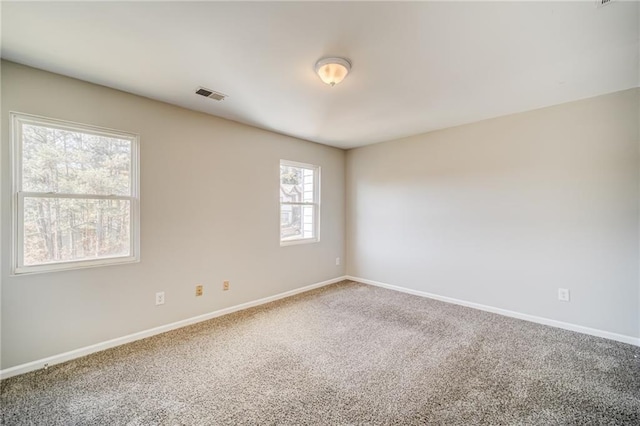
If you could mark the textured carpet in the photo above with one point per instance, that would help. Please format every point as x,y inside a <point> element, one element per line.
<point>343,354</point>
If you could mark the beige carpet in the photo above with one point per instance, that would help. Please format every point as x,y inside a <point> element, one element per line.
<point>344,354</point>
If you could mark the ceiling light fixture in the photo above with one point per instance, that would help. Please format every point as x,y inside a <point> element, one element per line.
<point>333,70</point>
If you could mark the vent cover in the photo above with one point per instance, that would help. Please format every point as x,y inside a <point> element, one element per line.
<point>601,3</point>
<point>211,94</point>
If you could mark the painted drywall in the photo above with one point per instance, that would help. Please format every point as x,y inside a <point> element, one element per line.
<point>506,211</point>
<point>209,212</point>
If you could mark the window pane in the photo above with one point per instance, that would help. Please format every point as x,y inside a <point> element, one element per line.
<point>296,184</point>
<point>290,184</point>
<point>63,229</point>
<point>296,222</point>
<point>65,161</point>
<point>307,185</point>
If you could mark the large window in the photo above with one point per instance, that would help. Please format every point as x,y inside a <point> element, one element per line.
<point>299,202</point>
<point>75,195</point>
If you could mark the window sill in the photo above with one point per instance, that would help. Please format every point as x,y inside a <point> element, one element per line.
<point>73,265</point>
<point>300,241</point>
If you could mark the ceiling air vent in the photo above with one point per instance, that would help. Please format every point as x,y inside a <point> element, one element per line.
<point>601,3</point>
<point>212,94</point>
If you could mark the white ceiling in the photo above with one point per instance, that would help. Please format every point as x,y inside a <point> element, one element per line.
<point>416,66</point>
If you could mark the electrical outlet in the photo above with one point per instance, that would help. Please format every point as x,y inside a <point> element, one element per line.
<point>160,298</point>
<point>225,285</point>
<point>337,261</point>
<point>199,290</point>
<point>563,294</point>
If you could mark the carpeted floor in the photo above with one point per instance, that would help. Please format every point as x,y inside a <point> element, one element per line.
<point>343,354</point>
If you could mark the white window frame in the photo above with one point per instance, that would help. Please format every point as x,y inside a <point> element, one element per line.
<point>315,203</point>
<point>18,196</point>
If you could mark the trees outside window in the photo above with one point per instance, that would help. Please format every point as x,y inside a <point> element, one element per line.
<point>75,195</point>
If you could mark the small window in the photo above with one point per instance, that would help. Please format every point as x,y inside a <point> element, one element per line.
<point>75,195</point>
<point>299,203</point>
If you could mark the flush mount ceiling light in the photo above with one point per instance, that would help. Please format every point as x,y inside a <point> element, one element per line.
<point>333,70</point>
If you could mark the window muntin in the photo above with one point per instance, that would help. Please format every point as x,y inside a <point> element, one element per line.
<point>299,202</point>
<point>75,195</point>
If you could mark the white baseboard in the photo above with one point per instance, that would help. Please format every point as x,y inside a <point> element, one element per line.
<point>540,320</point>
<point>77,353</point>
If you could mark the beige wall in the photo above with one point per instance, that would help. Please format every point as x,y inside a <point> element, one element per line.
<point>505,211</point>
<point>209,212</point>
